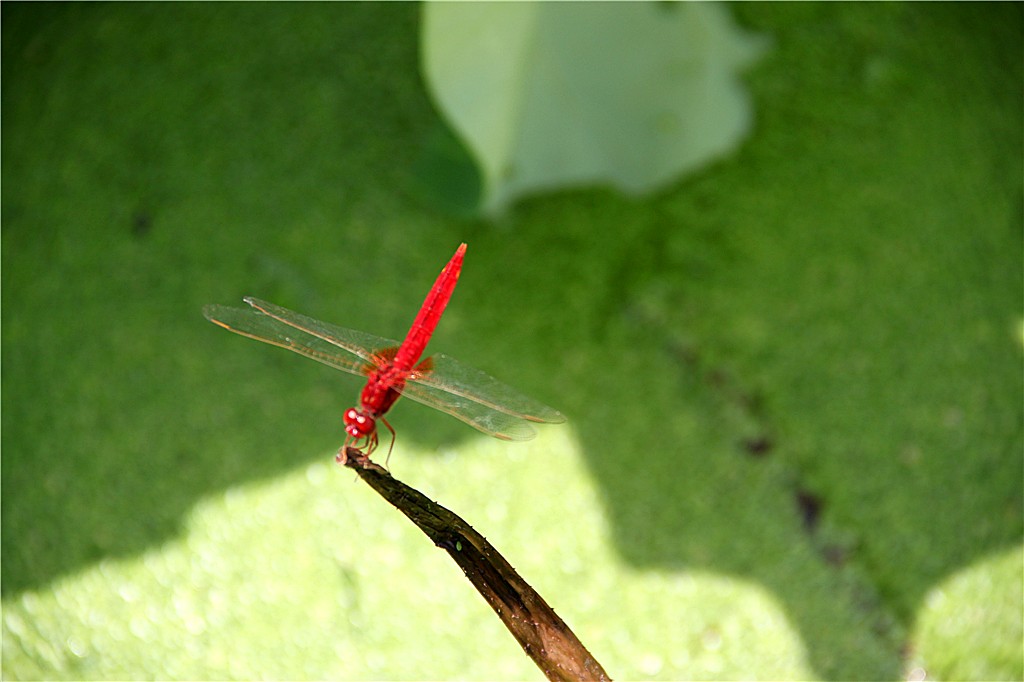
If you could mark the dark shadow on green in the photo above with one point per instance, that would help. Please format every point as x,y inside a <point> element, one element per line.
<point>446,175</point>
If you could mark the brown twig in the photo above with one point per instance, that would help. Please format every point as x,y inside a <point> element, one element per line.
<point>543,635</point>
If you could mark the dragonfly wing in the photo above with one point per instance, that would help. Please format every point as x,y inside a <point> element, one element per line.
<point>330,345</point>
<point>481,417</point>
<point>464,384</point>
<point>354,341</point>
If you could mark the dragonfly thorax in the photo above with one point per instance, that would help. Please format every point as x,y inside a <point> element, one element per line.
<point>383,386</point>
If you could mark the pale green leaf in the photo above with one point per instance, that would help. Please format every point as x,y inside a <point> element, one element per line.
<point>548,95</point>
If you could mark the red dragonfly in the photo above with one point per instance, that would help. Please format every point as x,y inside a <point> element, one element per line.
<point>394,369</point>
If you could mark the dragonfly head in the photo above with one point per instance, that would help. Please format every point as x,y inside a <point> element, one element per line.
<point>359,424</point>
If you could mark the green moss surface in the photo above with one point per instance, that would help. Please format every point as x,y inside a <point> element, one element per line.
<point>794,380</point>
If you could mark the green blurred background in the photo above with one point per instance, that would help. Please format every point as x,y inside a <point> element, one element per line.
<point>794,379</point>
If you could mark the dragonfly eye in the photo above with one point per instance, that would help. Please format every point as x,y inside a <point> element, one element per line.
<point>358,424</point>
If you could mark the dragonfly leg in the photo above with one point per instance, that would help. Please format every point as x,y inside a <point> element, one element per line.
<point>390,447</point>
<point>348,453</point>
<point>358,447</point>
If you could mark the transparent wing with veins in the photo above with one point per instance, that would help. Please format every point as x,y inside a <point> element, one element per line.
<point>440,382</point>
<point>477,398</point>
<point>306,336</point>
